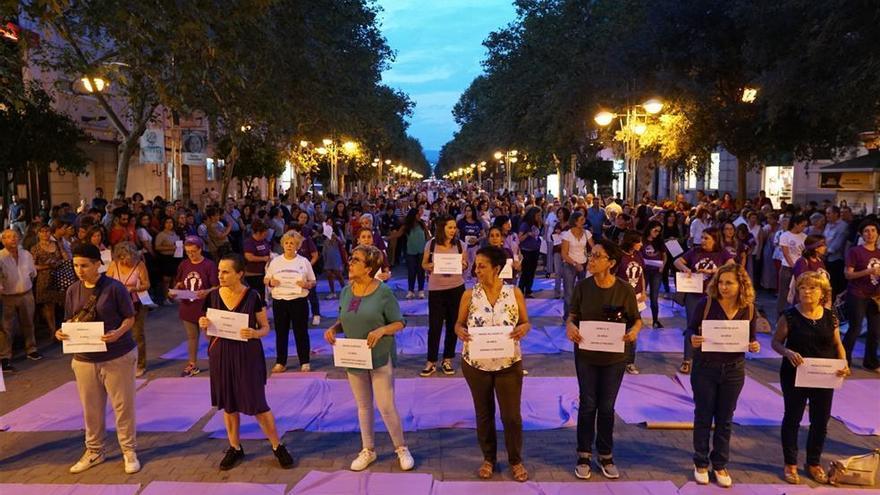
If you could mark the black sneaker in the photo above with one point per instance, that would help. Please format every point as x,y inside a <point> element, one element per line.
<point>34,356</point>
<point>7,366</point>
<point>283,456</point>
<point>584,468</point>
<point>429,370</point>
<point>657,324</point>
<point>447,368</point>
<point>232,458</point>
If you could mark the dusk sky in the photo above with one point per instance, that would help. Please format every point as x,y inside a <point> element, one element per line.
<point>439,50</point>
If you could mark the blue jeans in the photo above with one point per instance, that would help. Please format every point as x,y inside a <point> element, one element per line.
<point>690,306</point>
<point>414,271</point>
<point>716,389</point>
<point>570,277</point>
<point>859,308</point>
<point>652,279</point>
<point>597,388</point>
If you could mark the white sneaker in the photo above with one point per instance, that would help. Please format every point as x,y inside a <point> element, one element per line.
<point>305,368</point>
<point>722,477</point>
<point>316,320</point>
<point>363,460</point>
<point>279,368</point>
<point>87,461</point>
<point>421,294</point>
<point>405,458</point>
<point>132,464</point>
<point>701,475</point>
<point>410,295</point>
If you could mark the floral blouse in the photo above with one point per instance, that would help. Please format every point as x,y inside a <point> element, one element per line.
<point>482,314</point>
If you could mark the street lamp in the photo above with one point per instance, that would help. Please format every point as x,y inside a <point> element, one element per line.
<point>332,149</point>
<point>509,158</point>
<point>635,122</point>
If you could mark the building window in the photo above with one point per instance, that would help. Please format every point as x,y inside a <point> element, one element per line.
<point>210,169</point>
<point>691,180</point>
<point>714,171</point>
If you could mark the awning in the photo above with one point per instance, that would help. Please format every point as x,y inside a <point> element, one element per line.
<point>864,163</point>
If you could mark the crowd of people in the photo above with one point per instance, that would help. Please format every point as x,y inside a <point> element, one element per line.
<point>112,260</point>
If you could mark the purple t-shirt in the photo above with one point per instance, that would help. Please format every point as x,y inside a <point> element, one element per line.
<point>256,248</point>
<point>859,258</point>
<point>716,312</point>
<point>649,252</point>
<point>803,265</point>
<point>631,269</point>
<point>697,259</point>
<point>113,306</point>
<point>307,248</point>
<point>195,276</point>
<point>732,248</point>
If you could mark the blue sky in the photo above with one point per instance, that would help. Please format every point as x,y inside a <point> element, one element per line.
<point>439,50</point>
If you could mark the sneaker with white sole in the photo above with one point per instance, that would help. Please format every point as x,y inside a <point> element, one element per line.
<point>305,368</point>
<point>316,320</point>
<point>584,468</point>
<point>87,461</point>
<point>363,460</point>
<point>609,470</point>
<point>410,295</point>
<point>279,368</point>
<point>632,369</point>
<point>722,477</point>
<point>406,459</point>
<point>131,462</point>
<point>701,475</point>
<point>421,294</point>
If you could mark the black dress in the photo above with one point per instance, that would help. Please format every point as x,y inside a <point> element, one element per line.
<point>238,369</point>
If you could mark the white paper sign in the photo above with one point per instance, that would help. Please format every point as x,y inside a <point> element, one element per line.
<point>447,264</point>
<point>83,337</point>
<point>602,336</point>
<point>507,272</point>
<point>557,239</point>
<point>725,335</point>
<point>2,389</point>
<point>691,283</point>
<point>186,295</point>
<point>290,281</point>
<point>352,353</point>
<point>178,249</point>
<point>819,373</point>
<point>674,248</point>
<point>145,298</point>
<point>106,259</point>
<point>327,230</point>
<point>490,343</point>
<point>654,263</point>
<point>226,324</point>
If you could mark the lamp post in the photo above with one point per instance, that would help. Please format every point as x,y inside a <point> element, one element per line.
<point>509,158</point>
<point>331,148</point>
<point>633,121</point>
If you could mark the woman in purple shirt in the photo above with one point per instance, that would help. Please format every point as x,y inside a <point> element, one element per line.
<point>631,270</point>
<point>654,254</point>
<point>863,294</point>
<point>706,259</point>
<point>811,260</point>
<point>718,377</point>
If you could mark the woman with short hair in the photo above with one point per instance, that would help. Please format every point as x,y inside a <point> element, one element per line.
<point>128,267</point>
<point>368,310</point>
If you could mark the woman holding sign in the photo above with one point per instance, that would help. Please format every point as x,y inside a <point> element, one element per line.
<point>720,366</point>
<point>196,277</point>
<point>128,267</point>
<point>369,311</point>
<point>445,258</point>
<point>701,261</point>
<point>492,364</point>
<point>603,320</point>
<point>290,278</point>
<point>804,332</point>
<point>236,360</point>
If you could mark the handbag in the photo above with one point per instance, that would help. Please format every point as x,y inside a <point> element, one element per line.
<point>855,470</point>
<point>62,276</point>
<point>89,311</point>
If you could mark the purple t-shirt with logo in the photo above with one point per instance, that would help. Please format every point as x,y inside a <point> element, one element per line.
<point>630,269</point>
<point>859,258</point>
<point>649,252</point>
<point>256,248</point>
<point>697,259</point>
<point>195,276</point>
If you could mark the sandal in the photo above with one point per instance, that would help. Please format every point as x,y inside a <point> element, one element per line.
<point>685,367</point>
<point>519,472</point>
<point>790,473</point>
<point>486,470</point>
<point>818,474</point>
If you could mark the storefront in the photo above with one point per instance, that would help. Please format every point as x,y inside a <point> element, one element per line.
<point>856,182</point>
<point>778,183</point>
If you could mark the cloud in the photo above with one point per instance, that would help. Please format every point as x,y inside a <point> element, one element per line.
<point>395,76</point>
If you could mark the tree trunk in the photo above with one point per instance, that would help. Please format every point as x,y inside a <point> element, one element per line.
<point>125,151</point>
<point>228,170</point>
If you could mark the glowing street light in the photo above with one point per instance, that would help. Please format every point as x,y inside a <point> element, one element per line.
<point>604,118</point>
<point>653,106</point>
<point>94,84</point>
<point>749,94</point>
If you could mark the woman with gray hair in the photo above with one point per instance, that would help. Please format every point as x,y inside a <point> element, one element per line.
<point>290,278</point>
<point>369,311</point>
<point>128,267</point>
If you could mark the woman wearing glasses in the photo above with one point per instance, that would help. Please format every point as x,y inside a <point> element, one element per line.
<point>600,298</point>
<point>368,310</point>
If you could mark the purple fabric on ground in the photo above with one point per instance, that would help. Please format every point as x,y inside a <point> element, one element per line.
<point>57,410</point>
<point>557,336</point>
<point>766,351</point>
<point>857,405</point>
<point>172,404</point>
<point>329,309</point>
<point>537,341</point>
<point>339,411</point>
<point>363,483</point>
<point>413,307</point>
<point>758,405</point>
<point>544,307</point>
<point>443,403</point>
<point>78,489</point>
<point>296,400</point>
<point>660,340</point>
<point>653,398</point>
<point>554,488</point>
<point>691,488</point>
<point>548,403</point>
<point>412,340</point>
<point>229,488</point>
<point>316,335</point>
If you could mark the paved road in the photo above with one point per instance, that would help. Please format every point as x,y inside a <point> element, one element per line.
<point>641,454</point>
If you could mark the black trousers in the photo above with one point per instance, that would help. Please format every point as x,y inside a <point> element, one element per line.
<point>795,400</point>
<point>716,389</point>
<point>597,388</point>
<point>529,267</point>
<point>256,282</point>
<point>838,281</point>
<point>859,308</point>
<point>506,386</point>
<point>443,308</point>
<point>293,312</point>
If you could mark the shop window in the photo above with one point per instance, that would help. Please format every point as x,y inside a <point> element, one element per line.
<point>714,171</point>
